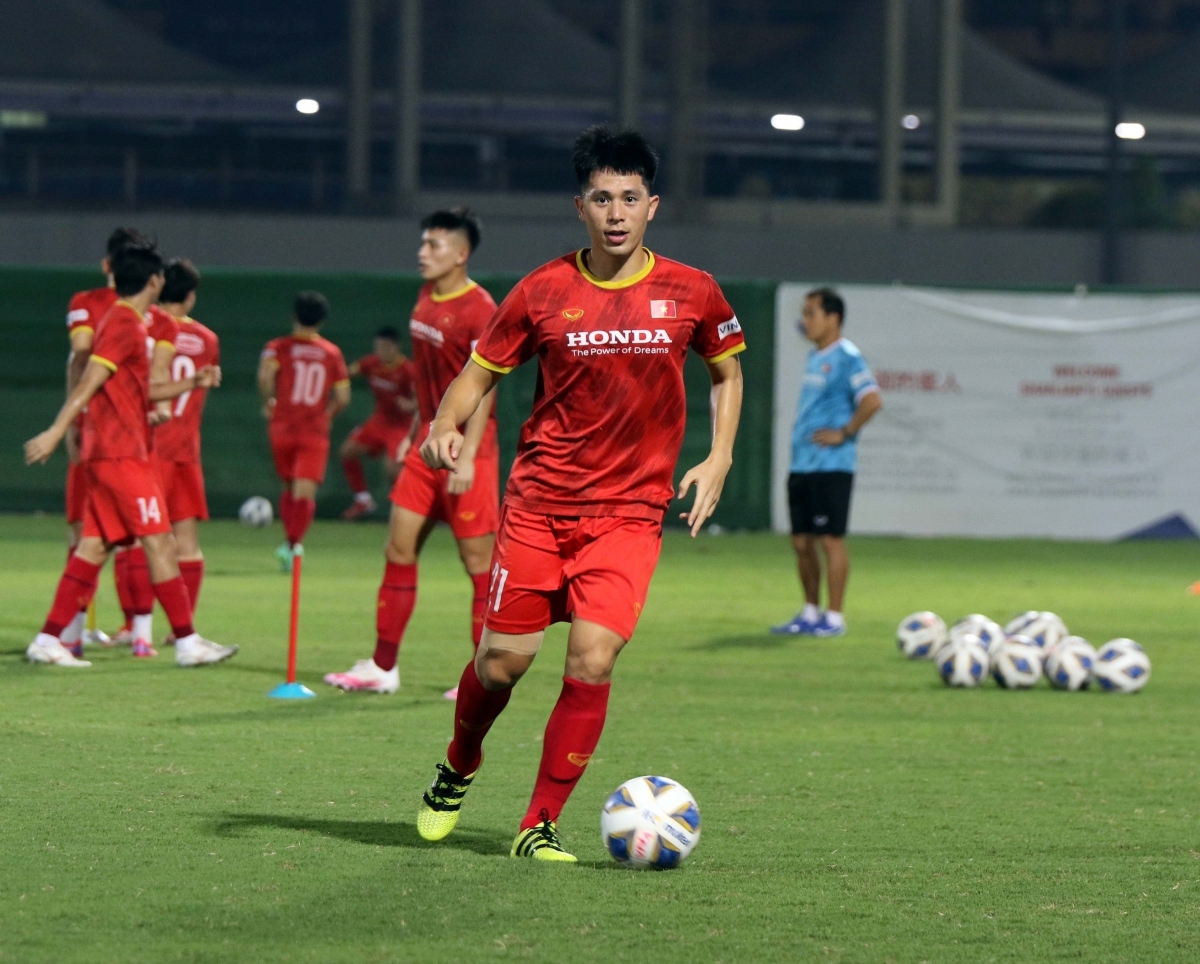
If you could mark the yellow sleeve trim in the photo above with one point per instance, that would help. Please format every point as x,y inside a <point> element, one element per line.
<point>343,381</point>
<point>273,362</point>
<point>482,362</point>
<point>169,344</point>
<point>717,359</point>
<point>111,366</point>
<point>438,299</point>
<point>78,328</point>
<point>611,285</point>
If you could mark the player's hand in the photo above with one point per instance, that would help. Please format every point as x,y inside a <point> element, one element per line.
<point>73,443</point>
<point>160,414</point>
<point>709,479</point>
<point>829,438</point>
<point>268,408</point>
<point>39,448</point>
<point>209,376</point>
<point>463,476</point>
<point>441,449</point>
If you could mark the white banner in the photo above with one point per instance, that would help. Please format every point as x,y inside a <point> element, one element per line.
<point>1013,414</point>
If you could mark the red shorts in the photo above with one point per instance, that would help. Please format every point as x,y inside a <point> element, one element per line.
<point>300,456</point>
<point>422,490</point>
<point>124,501</point>
<point>380,436</point>
<point>548,569</point>
<point>182,484</point>
<point>76,492</point>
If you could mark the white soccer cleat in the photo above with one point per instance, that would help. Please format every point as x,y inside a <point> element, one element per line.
<point>365,677</point>
<point>202,652</point>
<point>48,651</point>
<point>96,637</point>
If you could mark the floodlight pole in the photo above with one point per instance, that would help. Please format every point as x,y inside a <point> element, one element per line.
<point>358,105</point>
<point>407,157</point>
<point>949,175</point>
<point>891,134</point>
<point>689,28</point>
<point>1110,268</point>
<point>629,96</point>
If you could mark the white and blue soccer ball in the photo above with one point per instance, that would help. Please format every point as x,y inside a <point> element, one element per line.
<point>1121,666</point>
<point>1045,630</point>
<point>256,511</point>
<point>1016,663</point>
<point>921,635</point>
<point>1017,624</point>
<point>963,661</point>
<point>650,822</point>
<point>986,630</point>
<point>1069,665</point>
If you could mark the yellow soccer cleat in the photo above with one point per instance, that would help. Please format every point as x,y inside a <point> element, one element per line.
<point>441,803</point>
<point>540,842</point>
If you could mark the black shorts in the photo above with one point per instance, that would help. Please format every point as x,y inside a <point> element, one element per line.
<point>820,502</point>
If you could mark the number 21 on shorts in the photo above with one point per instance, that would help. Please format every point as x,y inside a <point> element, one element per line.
<point>496,591</point>
<point>149,510</point>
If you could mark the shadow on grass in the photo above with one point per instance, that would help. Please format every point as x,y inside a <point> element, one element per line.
<point>328,703</point>
<point>761,640</point>
<point>373,833</point>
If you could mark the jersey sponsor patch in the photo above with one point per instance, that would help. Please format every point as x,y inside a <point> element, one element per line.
<point>727,328</point>
<point>189,344</point>
<point>78,314</point>
<point>662,309</point>
<point>418,329</point>
<point>572,314</point>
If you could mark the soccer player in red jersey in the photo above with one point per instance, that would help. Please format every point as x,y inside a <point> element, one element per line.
<point>581,529</point>
<point>124,502</point>
<point>304,385</point>
<point>176,455</point>
<point>392,380</point>
<point>450,315</point>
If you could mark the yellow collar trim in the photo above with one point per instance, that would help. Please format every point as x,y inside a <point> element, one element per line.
<point>625,283</point>
<point>469,286</point>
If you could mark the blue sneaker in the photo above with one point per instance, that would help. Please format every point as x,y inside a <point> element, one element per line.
<point>796,626</point>
<point>824,627</point>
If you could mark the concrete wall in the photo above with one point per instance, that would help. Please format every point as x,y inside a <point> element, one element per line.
<point>915,255</point>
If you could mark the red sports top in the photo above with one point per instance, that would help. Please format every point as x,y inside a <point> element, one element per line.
<point>116,426</point>
<point>444,331</point>
<point>610,407</point>
<point>179,439</point>
<point>86,308</point>
<point>309,367</point>
<point>389,384</point>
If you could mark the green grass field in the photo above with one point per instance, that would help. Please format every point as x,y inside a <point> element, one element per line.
<point>854,809</point>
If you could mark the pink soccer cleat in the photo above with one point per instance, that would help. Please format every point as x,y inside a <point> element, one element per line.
<point>364,676</point>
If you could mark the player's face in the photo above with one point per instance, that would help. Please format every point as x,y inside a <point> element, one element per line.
<point>441,252</point>
<point>816,325</point>
<point>616,209</point>
<point>387,350</point>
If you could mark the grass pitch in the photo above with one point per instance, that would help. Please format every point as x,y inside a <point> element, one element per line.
<point>854,809</point>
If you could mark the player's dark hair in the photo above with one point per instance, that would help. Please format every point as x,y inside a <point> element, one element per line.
<point>622,151</point>
<point>389,333</point>
<point>133,266</point>
<point>831,302</point>
<point>457,218</point>
<point>310,308</point>
<point>182,279</point>
<point>121,237</point>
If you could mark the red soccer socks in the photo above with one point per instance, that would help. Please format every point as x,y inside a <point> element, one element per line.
<point>75,591</point>
<point>572,733</point>
<point>478,606</point>
<point>397,597</point>
<point>475,711</point>
<point>121,579</point>
<point>297,518</point>
<point>192,571</point>
<point>177,604</point>
<point>355,475</point>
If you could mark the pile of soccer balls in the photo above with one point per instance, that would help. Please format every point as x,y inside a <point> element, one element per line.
<point>1033,645</point>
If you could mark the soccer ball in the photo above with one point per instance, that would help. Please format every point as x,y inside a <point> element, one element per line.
<point>1018,623</point>
<point>1069,664</point>
<point>1121,666</point>
<point>921,635</point>
<point>1046,630</point>
<point>650,822</point>
<point>963,661</point>
<point>1017,663</point>
<point>256,511</point>
<point>988,632</point>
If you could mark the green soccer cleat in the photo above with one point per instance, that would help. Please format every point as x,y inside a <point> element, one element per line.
<point>441,802</point>
<point>540,842</point>
<point>284,555</point>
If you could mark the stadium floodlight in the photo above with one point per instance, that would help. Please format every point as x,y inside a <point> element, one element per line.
<point>787,122</point>
<point>1131,131</point>
<point>306,105</point>
<point>910,122</point>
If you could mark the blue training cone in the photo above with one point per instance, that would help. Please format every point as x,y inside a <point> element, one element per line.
<point>291,691</point>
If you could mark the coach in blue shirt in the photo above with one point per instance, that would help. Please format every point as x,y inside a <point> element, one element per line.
<point>839,397</point>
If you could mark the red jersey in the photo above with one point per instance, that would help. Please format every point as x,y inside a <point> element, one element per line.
<point>309,367</point>
<point>116,425</point>
<point>444,331</point>
<point>179,439</point>
<point>610,406</point>
<point>390,384</point>
<point>86,308</point>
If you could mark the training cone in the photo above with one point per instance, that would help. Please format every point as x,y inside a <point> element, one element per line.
<point>292,690</point>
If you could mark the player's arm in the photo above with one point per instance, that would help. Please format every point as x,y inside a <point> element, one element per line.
<point>339,399</point>
<point>463,476</point>
<point>77,361</point>
<point>709,475</point>
<point>207,377</point>
<point>354,370</point>
<point>39,448</point>
<point>160,374</point>
<point>868,407</point>
<point>268,371</point>
<point>445,443</point>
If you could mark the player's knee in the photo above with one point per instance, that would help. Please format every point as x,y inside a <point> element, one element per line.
<point>400,553</point>
<point>593,665</point>
<point>90,549</point>
<point>500,669</point>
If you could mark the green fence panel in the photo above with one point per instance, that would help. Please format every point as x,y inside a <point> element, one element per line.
<point>247,308</point>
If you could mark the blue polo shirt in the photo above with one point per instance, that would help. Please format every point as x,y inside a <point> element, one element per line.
<point>835,380</point>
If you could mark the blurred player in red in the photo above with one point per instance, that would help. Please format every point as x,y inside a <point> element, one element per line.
<point>450,315</point>
<point>176,454</point>
<point>124,501</point>
<point>386,434</point>
<point>610,326</point>
<point>304,385</point>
